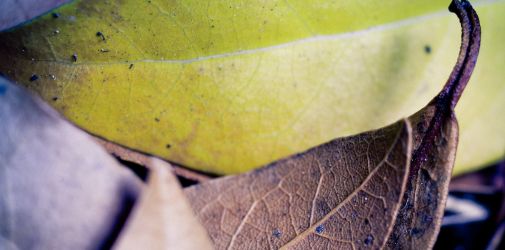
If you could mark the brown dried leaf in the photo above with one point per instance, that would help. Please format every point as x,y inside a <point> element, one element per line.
<point>347,193</point>
<point>420,216</point>
<point>163,219</point>
<point>59,190</point>
<point>341,194</point>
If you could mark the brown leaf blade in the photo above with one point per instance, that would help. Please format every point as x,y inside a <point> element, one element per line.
<point>343,194</point>
<point>59,190</point>
<point>163,219</point>
<point>418,222</point>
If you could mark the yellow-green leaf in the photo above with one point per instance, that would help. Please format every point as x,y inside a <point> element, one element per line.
<point>228,86</point>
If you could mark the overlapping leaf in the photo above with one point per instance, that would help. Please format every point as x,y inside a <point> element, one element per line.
<point>342,194</point>
<point>228,86</point>
<point>163,219</point>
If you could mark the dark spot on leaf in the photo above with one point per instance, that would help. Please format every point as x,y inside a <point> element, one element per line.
<point>427,219</point>
<point>427,49</point>
<point>34,78</point>
<point>157,119</point>
<point>55,98</point>
<point>168,146</point>
<point>131,66</point>
<point>416,232</point>
<point>368,240</point>
<point>55,15</point>
<point>320,229</point>
<point>101,35</point>
<point>3,89</point>
<point>277,233</point>
<point>74,57</point>
<point>442,142</point>
<point>430,185</point>
<point>420,128</point>
<point>322,206</point>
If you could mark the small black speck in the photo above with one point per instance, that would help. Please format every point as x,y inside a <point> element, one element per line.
<point>34,78</point>
<point>415,232</point>
<point>427,219</point>
<point>55,98</point>
<point>320,229</point>
<point>157,119</point>
<point>101,35</point>
<point>427,49</point>
<point>55,15</point>
<point>74,57</point>
<point>367,222</point>
<point>131,66</point>
<point>368,240</point>
<point>168,146</point>
<point>277,233</point>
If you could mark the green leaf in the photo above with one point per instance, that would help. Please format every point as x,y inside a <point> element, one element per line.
<point>228,86</point>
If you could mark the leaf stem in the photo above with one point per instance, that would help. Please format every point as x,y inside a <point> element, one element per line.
<point>469,51</point>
